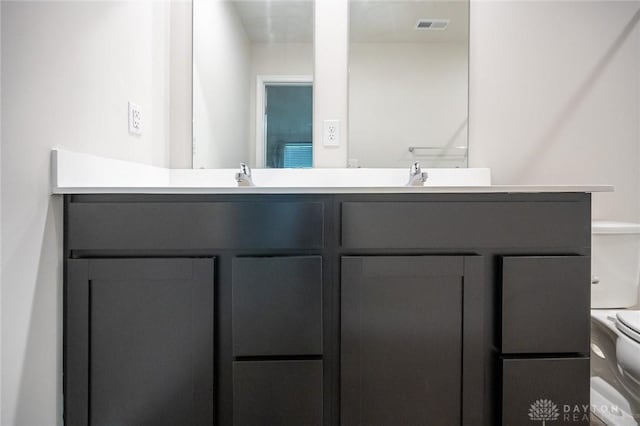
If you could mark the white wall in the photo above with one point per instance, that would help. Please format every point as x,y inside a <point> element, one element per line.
<point>555,97</point>
<point>407,94</point>
<point>68,70</point>
<point>221,87</point>
<point>274,59</point>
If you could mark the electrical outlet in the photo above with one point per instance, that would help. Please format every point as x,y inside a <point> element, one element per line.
<point>331,135</point>
<point>135,119</point>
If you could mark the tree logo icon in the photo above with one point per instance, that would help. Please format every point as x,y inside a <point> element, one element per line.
<point>543,410</point>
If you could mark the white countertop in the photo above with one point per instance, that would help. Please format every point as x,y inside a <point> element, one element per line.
<point>333,190</point>
<point>74,173</point>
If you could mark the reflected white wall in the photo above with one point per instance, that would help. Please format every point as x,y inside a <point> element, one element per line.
<point>330,91</point>
<point>407,94</point>
<point>221,85</point>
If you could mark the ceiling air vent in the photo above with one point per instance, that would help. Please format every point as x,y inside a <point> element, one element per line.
<point>432,24</point>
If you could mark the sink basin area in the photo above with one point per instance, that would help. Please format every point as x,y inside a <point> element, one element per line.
<point>75,170</point>
<point>331,178</point>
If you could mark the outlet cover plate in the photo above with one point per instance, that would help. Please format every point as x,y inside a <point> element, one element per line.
<point>331,133</point>
<point>135,119</point>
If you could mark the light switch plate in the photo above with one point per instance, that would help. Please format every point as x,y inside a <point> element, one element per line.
<point>135,119</point>
<point>331,133</point>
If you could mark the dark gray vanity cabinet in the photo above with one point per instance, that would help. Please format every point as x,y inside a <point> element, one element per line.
<point>269,365</point>
<point>545,339</point>
<point>139,342</point>
<point>324,309</point>
<point>411,340</point>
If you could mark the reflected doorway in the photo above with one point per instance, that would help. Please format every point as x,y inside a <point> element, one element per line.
<point>287,122</point>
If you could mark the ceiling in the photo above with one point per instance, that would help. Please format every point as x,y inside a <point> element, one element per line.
<point>391,21</point>
<point>395,21</point>
<point>280,21</point>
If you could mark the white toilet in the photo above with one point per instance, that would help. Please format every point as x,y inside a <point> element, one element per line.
<point>615,324</point>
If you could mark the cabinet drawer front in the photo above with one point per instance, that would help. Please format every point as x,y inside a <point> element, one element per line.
<point>224,225</point>
<point>545,304</point>
<point>277,306</point>
<point>283,393</point>
<point>461,224</point>
<point>527,385</point>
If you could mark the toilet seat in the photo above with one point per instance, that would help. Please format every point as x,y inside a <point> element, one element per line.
<point>628,322</point>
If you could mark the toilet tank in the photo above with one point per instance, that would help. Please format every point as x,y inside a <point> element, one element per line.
<point>615,264</point>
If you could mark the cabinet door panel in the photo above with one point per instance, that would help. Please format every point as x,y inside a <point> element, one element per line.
<point>401,344</point>
<point>277,306</point>
<point>148,340</point>
<point>282,393</point>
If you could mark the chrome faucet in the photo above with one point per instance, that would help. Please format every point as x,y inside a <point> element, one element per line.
<point>243,177</point>
<point>416,176</point>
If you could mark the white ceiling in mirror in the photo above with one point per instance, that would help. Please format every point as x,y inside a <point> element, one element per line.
<point>394,21</point>
<point>280,21</point>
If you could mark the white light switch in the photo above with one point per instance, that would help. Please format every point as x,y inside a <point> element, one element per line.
<point>331,135</point>
<point>135,119</point>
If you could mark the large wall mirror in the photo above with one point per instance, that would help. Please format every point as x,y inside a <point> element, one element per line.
<point>253,65</point>
<point>408,83</point>
<point>253,68</point>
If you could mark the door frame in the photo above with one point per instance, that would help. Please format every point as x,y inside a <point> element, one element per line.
<point>261,82</point>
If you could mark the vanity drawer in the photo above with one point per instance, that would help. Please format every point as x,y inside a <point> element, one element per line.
<point>277,306</point>
<point>195,225</point>
<point>527,384</point>
<point>460,224</point>
<point>545,304</point>
<point>283,393</point>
